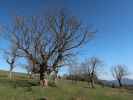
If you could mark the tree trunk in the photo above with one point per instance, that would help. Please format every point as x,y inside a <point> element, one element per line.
<point>42,75</point>
<point>120,83</point>
<point>10,73</point>
<point>55,77</point>
<point>92,83</point>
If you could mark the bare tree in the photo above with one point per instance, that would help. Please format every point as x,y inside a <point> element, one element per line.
<point>118,72</point>
<point>11,59</point>
<point>91,67</point>
<point>49,40</point>
<point>74,72</point>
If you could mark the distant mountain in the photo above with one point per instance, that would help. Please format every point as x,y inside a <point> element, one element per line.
<point>125,81</point>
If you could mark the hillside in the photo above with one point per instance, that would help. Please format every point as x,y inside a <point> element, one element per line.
<point>30,90</point>
<point>4,74</point>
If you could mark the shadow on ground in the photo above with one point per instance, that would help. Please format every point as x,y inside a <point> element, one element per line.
<point>19,83</point>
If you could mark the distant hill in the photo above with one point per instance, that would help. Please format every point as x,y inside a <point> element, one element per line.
<point>125,81</point>
<point>4,74</point>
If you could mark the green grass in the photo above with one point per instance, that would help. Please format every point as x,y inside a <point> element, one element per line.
<point>65,90</point>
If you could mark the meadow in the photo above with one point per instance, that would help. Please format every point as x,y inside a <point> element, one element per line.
<point>24,89</point>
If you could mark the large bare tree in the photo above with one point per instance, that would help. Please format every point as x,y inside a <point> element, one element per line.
<point>119,71</point>
<point>48,40</point>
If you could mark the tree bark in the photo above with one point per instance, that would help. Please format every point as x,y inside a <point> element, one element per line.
<point>42,75</point>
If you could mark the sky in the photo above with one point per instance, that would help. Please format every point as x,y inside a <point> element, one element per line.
<point>113,20</point>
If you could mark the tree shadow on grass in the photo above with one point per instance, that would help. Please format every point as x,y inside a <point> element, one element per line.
<point>44,98</point>
<point>18,83</point>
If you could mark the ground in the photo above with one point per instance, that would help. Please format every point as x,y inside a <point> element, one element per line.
<point>22,89</point>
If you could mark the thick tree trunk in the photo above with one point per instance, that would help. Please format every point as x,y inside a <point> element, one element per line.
<point>43,81</point>
<point>41,75</point>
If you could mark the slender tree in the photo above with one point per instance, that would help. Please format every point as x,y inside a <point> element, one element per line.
<point>11,59</point>
<point>91,67</point>
<point>118,72</point>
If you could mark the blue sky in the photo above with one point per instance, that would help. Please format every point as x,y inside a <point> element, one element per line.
<point>112,18</point>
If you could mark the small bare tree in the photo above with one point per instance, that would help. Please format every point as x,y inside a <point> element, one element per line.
<point>91,67</point>
<point>74,72</point>
<point>11,58</point>
<point>118,72</point>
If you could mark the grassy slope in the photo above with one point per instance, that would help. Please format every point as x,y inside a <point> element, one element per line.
<point>4,74</point>
<point>65,90</point>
